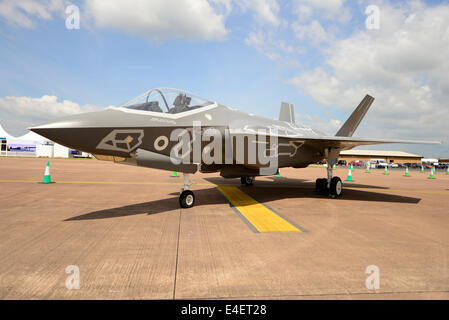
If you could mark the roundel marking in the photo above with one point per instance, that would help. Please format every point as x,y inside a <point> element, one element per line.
<point>161,143</point>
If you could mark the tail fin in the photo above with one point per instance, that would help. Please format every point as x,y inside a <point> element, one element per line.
<point>348,128</point>
<point>287,113</point>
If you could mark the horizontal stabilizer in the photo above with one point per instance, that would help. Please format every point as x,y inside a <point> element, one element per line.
<point>287,113</point>
<point>348,128</point>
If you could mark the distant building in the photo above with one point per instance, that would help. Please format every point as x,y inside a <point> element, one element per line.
<point>34,145</point>
<point>3,146</point>
<point>388,156</point>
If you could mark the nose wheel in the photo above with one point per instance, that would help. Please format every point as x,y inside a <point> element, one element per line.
<point>186,199</point>
<point>186,196</point>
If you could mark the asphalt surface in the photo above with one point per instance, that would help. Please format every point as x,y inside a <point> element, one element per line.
<point>122,227</point>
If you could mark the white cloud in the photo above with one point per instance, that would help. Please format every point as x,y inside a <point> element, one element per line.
<point>269,44</point>
<point>266,11</point>
<point>403,65</point>
<point>313,31</point>
<point>43,108</point>
<point>263,43</point>
<point>318,84</point>
<point>160,19</point>
<point>312,14</point>
<point>318,122</point>
<point>21,13</point>
<point>331,5</point>
<point>324,9</point>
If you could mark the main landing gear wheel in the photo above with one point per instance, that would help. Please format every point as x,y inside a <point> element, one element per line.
<point>186,199</point>
<point>247,181</point>
<point>336,187</point>
<point>321,185</point>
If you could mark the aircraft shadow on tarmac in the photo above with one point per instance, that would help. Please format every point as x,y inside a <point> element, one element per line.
<point>307,183</point>
<point>301,188</point>
<point>202,197</point>
<point>210,196</point>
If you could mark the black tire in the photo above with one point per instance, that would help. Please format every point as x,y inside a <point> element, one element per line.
<point>336,187</point>
<point>186,199</point>
<point>321,185</point>
<point>247,181</point>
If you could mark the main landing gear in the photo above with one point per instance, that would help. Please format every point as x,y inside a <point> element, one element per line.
<point>186,197</point>
<point>247,181</point>
<point>331,186</point>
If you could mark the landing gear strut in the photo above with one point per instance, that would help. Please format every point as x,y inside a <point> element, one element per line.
<point>247,181</point>
<point>186,197</point>
<point>331,186</point>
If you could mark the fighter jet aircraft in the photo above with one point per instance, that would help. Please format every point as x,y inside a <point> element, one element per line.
<point>174,130</point>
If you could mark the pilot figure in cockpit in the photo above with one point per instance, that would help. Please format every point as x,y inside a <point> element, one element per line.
<point>180,104</point>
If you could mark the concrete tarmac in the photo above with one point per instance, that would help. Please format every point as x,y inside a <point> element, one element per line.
<point>123,228</point>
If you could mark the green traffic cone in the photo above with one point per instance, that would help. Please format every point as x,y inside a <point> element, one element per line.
<point>174,174</point>
<point>334,167</point>
<point>386,170</point>
<point>406,172</point>
<point>47,177</point>
<point>447,171</point>
<point>422,169</point>
<point>349,175</point>
<point>432,174</point>
<point>368,168</point>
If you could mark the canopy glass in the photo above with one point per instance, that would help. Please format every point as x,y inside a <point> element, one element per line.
<point>167,100</point>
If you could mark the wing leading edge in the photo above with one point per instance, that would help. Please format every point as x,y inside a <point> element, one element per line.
<point>350,142</point>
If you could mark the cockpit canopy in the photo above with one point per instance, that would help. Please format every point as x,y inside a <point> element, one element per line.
<point>167,100</point>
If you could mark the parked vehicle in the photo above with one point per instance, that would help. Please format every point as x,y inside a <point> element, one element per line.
<point>342,163</point>
<point>443,165</point>
<point>357,163</point>
<point>378,163</point>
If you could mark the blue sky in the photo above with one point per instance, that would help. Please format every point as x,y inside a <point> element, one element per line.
<point>255,55</point>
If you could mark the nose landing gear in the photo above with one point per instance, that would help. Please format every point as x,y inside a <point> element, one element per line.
<point>186,197</point>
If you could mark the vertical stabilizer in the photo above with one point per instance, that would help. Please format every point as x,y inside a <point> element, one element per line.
<point>348,128</point>
<point>287,113</point>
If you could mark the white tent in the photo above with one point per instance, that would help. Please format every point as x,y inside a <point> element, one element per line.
<point>44,147</point>
<point>28,138</point>
<point>31,136</point>
<point>4,134</point>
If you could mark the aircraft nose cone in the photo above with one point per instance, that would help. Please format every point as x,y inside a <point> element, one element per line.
<point>53,130</point>
<point>84,132</point>
<point>75,121</point>
<point>72,131</point>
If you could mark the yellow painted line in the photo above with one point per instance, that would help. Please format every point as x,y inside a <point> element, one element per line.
<point>111,182</point>
<point>25,181</point>
<point>262,218</point>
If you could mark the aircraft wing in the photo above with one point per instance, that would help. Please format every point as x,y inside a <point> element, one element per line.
<point>351,142</point>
